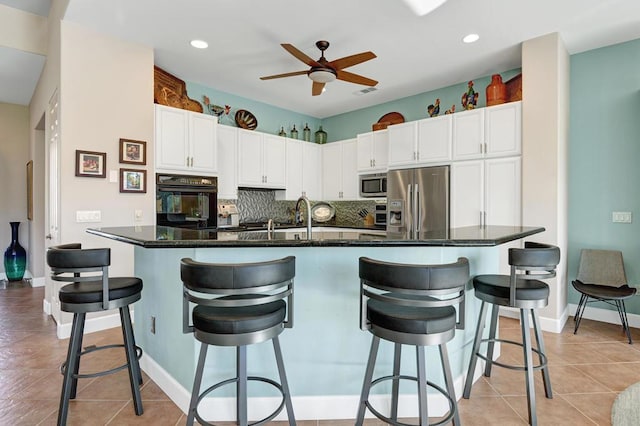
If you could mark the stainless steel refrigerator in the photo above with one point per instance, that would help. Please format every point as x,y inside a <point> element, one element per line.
<point>418,202</point>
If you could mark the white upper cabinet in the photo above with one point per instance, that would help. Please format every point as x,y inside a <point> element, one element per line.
<point>373,151</point>
<point>261,160</point>
<point>303,171</point>
<point>420,142</point>
<point>186,141</point>
<point>468,134</point>
<point>494,131</point>
<point>228,163</point>
<point>339,170</point>
<point>503,130</point>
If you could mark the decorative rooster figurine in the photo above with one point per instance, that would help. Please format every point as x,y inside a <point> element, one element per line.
<point>470,97</point>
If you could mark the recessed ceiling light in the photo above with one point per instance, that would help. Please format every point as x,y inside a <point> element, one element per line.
<point>422,7</point>
<point>199,44</point>
<point>471,38</point>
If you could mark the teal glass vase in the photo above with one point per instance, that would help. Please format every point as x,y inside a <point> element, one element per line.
<point>15,256</point>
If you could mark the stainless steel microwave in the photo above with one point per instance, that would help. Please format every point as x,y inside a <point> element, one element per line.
<point>373,185</point>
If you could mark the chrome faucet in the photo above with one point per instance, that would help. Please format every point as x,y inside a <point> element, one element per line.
<point>298,219</point>
<point>271,227</point>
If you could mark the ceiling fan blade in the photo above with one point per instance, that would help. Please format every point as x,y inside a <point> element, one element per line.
<point>300,55</point>
<point>288,74</point>
<point>316,88</point>
<point>349,61</point>
<point>355,78</point>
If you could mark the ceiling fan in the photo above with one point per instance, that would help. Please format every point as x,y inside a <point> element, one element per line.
<point>323,71</point>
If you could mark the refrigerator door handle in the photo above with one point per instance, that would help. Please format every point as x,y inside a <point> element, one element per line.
<point>416,209</point>
<point>409,212</point>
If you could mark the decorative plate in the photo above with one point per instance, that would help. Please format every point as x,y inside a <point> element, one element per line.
<point>392,118</point>
<point>322,212</point>
<point>246,120</point>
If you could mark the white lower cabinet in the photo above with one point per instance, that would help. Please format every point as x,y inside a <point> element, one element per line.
<point>303,171</point>
<point>340,170</point>
<point>261,160</point>
<point>486,192</point>
<point>228,163</point>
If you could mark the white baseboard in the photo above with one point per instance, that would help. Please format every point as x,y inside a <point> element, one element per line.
<point>552,325</point>
<point>605,315</point>
<point>333,407</point>
<point>46,306</point>
<point>91,325</point>
<point>38,282</point>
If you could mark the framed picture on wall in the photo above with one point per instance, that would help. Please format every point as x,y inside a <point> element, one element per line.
<point>132,180</point>
<point>91,164</point>
<point>133,152</point>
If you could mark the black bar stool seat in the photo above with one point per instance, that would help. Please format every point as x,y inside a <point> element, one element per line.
<point>90,289</point>
<point>238,305</point>
<point>522,289</point>
<point>409,304</point>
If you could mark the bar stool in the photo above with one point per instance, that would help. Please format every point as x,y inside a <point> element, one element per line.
<point>238,305</point>
<point>411,305</point>
<point>93,293</point>
<point>521,289</point>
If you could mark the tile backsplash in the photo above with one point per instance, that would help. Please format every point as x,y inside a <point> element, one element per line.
<point>261,204</point>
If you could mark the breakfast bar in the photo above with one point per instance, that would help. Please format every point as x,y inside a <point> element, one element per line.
<point>325,352</point>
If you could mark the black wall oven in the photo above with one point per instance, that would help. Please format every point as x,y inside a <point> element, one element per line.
<point>186,201</point>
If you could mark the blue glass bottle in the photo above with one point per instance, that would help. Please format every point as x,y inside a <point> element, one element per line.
<point>15,257</point>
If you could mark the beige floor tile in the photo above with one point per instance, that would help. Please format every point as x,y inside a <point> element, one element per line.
<point>88,413</point>
<point>596,406</point>
<point>483,411</point>
<point>156,413</point>
<point>25,412</point>
<point>556,411</point>
<point>616,377</point>
<point>566,379</point>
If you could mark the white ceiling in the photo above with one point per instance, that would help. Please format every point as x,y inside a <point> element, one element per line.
<point>415,54</point>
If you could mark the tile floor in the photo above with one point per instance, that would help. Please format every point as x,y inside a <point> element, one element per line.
<point>588,370</point>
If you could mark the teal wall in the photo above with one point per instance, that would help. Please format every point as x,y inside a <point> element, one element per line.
<point>604,156</point>
<point>348,125</point>
<point>270,118</point>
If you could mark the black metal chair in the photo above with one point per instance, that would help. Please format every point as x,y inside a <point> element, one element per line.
<point>411,305</point>
<point>238,305</point>
<point>601,276</point>
<point>521,289</point>
<point>92,290</point>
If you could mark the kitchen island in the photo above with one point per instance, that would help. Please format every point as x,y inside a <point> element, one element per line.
<point>325,352</point>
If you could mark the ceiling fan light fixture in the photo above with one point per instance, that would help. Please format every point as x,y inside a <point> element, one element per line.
<point>322,76</point>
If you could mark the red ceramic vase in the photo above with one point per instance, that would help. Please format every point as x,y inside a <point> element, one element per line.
<point>496,91</point>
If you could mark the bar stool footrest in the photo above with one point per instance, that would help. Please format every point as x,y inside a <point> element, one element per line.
<point>235,380</point>
<point>536,367</point>
<point>390,421</point>
<point>93,348</point>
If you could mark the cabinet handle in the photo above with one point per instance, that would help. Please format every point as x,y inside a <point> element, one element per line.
<point>417,155</point>
<point>187,161</point>
<point>374,162</point>
<point>485,147</point>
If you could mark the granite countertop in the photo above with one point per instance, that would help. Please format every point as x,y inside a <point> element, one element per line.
<point>168,237</point>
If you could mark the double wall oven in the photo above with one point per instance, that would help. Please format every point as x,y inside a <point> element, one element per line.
<point>186,201</point>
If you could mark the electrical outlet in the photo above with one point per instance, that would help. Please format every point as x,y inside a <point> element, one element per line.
<point>83,216</point>
<point>153,325</point>
<point>137,215</point>
<point>621,217</point>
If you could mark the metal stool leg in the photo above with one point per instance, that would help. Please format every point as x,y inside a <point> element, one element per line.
<point>368,376</point>
<point>132,359</point>
<point>73,358</point>
<point>283,381</point>
<point>197,381</point>
<point>528,363</point>
<point>540,342</point>
<point>422,386</point>
<point>492,335</point>
<point>448,381</point>
<point>241,386</point>
<point>474,352</point>
<point>622,311</point>
<point>74,377</point>
<point>397,353</point>
<point>580,311</point>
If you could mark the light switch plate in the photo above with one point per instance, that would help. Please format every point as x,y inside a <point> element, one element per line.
<point>621,217</point>
<point>84,216</point>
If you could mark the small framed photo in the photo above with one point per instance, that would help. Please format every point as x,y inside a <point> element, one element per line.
<point>91,164</point>
<point>132,180</point>
<point>133,152</point>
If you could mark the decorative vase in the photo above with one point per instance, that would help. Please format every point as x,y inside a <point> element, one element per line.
<point>294,132</point>
<point>321,136</point>
<point>306,133</point>
<point>15,257</point>
<point>282,132</point>
<point>496,91</point>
